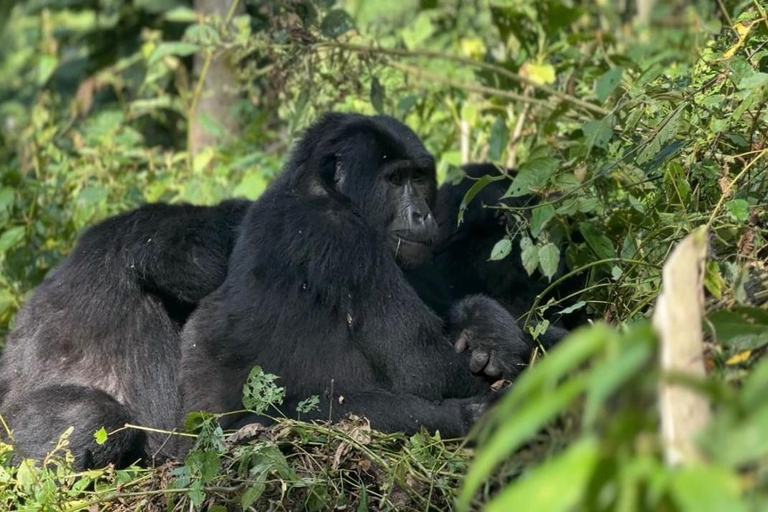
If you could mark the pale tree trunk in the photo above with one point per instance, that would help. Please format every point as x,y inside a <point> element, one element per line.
<point>644,10</point>
<point>219,93</point>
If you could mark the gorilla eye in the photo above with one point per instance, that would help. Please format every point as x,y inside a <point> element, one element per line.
<point>396,179</point>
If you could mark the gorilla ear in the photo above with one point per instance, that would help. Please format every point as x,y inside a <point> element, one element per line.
<point>333,172</point>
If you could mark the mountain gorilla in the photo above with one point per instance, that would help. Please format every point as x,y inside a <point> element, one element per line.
<point>315,294</point>
<point>460,264</point>
<point>97,344</point>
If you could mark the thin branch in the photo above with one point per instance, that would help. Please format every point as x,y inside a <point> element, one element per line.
<point>421,74</point>
<point>727,190</point>
<point>471,62</point>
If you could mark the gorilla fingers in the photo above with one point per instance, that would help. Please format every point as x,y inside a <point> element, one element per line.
<point>497,345</point>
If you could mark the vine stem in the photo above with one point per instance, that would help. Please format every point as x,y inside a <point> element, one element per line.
<point>471,62</point>
<point>727,190</point>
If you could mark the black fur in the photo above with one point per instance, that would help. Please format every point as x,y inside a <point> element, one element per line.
<point>97,344</point>
<point>315,294</point>
<point>460,266</point>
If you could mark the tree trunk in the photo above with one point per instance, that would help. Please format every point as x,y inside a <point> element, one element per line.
<point>214,121</point>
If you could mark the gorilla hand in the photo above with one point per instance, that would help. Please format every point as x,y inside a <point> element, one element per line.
<point>498,346</point>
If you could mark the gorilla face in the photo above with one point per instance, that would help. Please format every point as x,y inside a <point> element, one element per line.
<point>409,187</point>
<point>381,167</point>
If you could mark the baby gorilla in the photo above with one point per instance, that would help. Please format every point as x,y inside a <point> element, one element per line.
<point>316,294</point>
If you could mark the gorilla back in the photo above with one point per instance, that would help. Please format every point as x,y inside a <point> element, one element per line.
<point>97,344</point>
<point>315,293</point>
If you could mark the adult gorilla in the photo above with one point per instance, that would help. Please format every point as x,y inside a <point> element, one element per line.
<point>316,295</point>
<point>460,265</point>
<point>98,343</point>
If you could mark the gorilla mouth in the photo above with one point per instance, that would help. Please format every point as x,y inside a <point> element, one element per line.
<point>402,239</point>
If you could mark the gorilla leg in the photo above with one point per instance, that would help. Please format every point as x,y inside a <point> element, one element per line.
<point>39,418</point>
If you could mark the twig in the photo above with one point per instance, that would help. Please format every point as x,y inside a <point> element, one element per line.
<point>727,190</point>
<point>471,62</point>
<point>419,73</point>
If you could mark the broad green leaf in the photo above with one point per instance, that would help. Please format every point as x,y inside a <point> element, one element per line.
<point>422,29</point>
<point>252,185</point>
<point>540,216</point>
<point>607,83</point>
<point>533,174</point>
<point>740,329</point>
<point>597,133</point>
<point>529,255</point>
<point>165,49</point>
<point>202,160</point>
<point>472,192</point>
<point>597,241</point>
<point>498,140</point>
<point>11,238</point>
<point>532,402</point>
<point>549,260</point>
<point>45,68</point>
<point>706,489</point>
<point>501,250</point>
<point>100,436</point>
<point>610,374</point>
<point>254,491</point>
<point>559,484</point>
<point>738,209</point>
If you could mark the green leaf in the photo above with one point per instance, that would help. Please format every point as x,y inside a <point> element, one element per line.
<point>100,436</point>
<point>11,238</point>
<point>498,139</point>
<point>377,95</point>
<point>738,209</point>
<point>559,484</point>
<point>336,23</point>
<point>472,192</point>
<point>501,250</point>
<point>252,185</point>
<point>533,174</point>
<point>666,131</point>
<point>529,255</point>
<point>606,377</point>
<point>598,132</point>
<point>260,391</point>
<point>532,402</point>
<point>607,83</point>
<point>181,14</point>
<point>540,216</point>
<point>165,49</point>
<point>706,489</point>
<point>45,68</point>
<point>597,241</point>
<point>575,307</point>
<point>741,328</point>
<point>713,279</point>
<point>549,259</point>
<point>254,491</point>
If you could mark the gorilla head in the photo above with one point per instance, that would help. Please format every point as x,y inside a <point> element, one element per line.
<point>381,167</point>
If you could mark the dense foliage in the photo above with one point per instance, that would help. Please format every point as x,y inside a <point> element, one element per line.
<point>631,135</point>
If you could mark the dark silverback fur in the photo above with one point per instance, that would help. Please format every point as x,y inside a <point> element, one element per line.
<point>97,344</point>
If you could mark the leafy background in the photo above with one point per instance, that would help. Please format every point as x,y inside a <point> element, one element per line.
<point>632,129</point>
